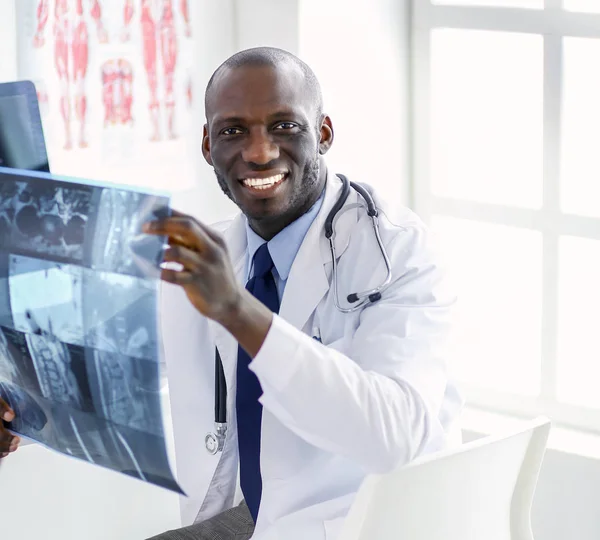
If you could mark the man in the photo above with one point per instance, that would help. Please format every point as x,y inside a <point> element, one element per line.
<point>317,397</point>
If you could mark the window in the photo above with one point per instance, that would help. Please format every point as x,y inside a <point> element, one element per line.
<point>506,167</point>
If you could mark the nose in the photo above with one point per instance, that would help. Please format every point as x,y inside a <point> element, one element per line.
<point>260,148</point>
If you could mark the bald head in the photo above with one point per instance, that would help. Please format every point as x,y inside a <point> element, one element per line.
<point>276,59</point>
<point>265,121</point>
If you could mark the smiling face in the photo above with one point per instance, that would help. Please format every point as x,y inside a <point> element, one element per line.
<point>264,137</point>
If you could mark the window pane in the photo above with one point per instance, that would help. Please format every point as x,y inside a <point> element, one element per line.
<point>497,270</point>
<point>589,6</point>
<point>487,116</point>
<point>579,298</point>
<point>534,4</point>
<point>580,188</point>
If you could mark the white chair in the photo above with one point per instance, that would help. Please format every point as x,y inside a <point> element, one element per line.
<point>482,490</point>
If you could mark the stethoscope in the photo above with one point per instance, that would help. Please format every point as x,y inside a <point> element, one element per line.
<point>215,440</point>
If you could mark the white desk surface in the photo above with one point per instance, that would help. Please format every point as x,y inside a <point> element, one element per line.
<point>45,495</point>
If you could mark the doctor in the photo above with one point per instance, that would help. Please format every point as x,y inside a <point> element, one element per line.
<point>317,397</point>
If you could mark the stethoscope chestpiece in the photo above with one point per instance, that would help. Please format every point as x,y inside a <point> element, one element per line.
<point>212,443</point>
<point>215,440</point>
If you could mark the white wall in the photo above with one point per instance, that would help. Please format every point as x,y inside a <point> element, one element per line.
<point>270,23</point>
<point>359,51</point>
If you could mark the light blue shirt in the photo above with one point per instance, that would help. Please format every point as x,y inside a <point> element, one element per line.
<point>283,247</point>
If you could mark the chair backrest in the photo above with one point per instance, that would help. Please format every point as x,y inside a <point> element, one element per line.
<point>480,490</point>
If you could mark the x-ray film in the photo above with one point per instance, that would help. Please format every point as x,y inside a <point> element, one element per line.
<point>79,344</point>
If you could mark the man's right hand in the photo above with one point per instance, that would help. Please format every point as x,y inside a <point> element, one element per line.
<point>8,442</point>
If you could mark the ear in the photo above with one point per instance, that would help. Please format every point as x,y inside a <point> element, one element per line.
<point>327,135</point>
<point>206,145</point>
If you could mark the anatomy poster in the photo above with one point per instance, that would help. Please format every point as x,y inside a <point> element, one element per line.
<point>114,81</point>
<point>79,345</point>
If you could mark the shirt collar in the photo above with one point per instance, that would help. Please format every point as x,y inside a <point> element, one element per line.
<point>284,246</point>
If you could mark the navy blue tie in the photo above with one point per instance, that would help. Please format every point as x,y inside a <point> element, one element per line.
<point>248,409</point>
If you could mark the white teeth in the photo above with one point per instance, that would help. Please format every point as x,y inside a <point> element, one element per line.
<point>263,183</point>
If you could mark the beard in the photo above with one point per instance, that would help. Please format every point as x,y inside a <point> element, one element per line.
<point>303,196</point>
<point>224,186</point>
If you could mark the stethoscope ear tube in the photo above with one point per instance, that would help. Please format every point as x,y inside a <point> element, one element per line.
<point>371,208</point>
<point>337,206</point>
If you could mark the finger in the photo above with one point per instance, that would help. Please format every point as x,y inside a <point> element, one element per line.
<point>6,413</point>
<point>8,441</point>
<point>190,260</point>
<point>213,235</point>
<point>177,277</point>
<point>14,444</point>
<point>177,213</point>
<point>183,231</point>
<point>4,454</point>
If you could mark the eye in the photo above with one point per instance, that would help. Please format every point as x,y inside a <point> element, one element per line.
<point>286,126</point>
<point>231,131</point>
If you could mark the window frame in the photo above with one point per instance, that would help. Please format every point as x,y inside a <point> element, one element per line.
<point>553,23</point>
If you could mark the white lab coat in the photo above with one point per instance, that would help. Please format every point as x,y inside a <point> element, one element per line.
<point>373,395</point>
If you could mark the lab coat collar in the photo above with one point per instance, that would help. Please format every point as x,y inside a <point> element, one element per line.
<point>308,280</point>
<point>236,238</point>
<point>284,246</point>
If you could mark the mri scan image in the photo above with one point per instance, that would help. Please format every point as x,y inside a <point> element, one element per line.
<point>79,345</point>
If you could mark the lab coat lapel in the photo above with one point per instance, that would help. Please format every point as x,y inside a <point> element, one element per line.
<point>235,238</point>
<point>309,277</point>
<point>307,282</point>
<point>221,492</point>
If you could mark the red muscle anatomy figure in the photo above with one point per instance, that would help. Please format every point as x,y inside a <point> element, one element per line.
<point>159,43</point>
<point>42,95</point>
<point>71,46</point>
<point>126,73</point>
<point>117,92</point>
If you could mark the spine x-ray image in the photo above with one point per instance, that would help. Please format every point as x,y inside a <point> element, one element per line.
<point>79,344</point>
